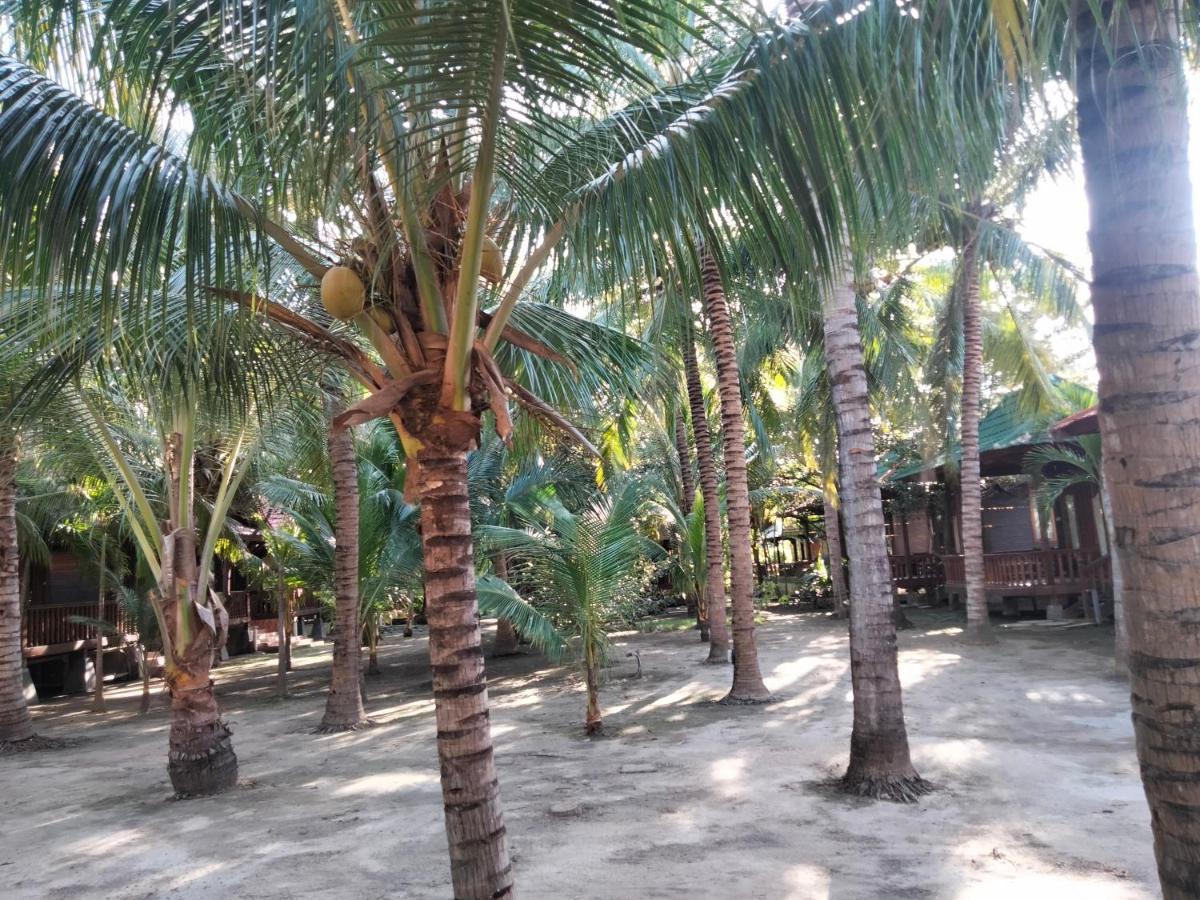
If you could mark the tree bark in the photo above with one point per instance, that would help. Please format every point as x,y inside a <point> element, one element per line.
<point>594,724</point>
<point>714,546</point>
<point>748,686</point>
<point>281,632</point>
<point>479,861</point>
<point>979,629</point>
<point>98,704</point>
<point>507,641</point>
<point>833,543</point>
<point>1120,632</point>
<point>879,758</point>
<point>1133,129</point>
<point>200,758</point>
<point>687,484</point>
<point>15,721</point>
<point>344,706</point>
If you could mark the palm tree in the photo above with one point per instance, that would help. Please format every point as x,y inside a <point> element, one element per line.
<point>16,725</point>
<point>148,419</point>
<point>879,758</point>
<point>1133,128</point>
<point>713,599</point>
<point>320,109</point>
<point>344,707</point>
<point>748,686</point>
<point>585,562</point>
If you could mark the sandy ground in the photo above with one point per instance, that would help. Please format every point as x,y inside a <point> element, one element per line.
<point>1029,743</point>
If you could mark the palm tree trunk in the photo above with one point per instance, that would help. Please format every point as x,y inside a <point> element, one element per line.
<point>15,722</point>
<point>687,484</point>
<point>1133,129</point>
<point>281,632</point>
<point>98,704</point>
<point>748,684</point>
<point>373,650</point>
<point>144,666</point>
<point>479,862</point>
<point>344,706</point>
<point>879,760</point>
<point>833,543</point>
<point>200,758</point>
<point>594,724</point>
<point>507,642</point>
<point>687,491</point>
<point>714,546</point>
<point>1120,631</point>
<point>978,629</point>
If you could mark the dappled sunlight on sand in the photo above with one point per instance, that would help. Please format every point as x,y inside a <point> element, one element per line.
<point>1049,696</point>
<point>807,883</point>
<point>952,753</point>
<point>106,843</point>
<point>195,873</point>
<point>918,665</point>
<point>383,783</point>
<point>1010,869</point>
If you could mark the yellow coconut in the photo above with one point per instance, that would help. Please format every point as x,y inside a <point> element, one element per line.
<point>383,319</point>
<point>343,293</point>
<point>491,266</point>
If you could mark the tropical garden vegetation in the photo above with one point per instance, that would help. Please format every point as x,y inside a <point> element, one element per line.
<point>526,310</point>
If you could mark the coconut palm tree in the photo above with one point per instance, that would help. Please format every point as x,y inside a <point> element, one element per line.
<point>586,560</point>
<point>713,599</point>
<point>336,115</point>
<point>151,419</point>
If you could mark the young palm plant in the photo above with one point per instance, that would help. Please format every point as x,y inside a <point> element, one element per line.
<point>586,562</point>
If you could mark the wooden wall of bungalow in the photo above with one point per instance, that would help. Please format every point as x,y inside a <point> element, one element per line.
<point>1031,561</point>
<point>59,643</point>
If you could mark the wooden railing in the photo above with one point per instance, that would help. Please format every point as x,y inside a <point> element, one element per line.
<point>1067,569</point>
<point>916,570</point>
<point>43,626</point>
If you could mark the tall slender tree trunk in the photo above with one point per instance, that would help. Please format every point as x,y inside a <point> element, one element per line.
<point>507,641</point>
<point>144,666</point>
<point>714,546</point>
<point>978,629</point>
<point>15,722</point>
<point>283,663</point>
<point>1120,632</point>
<point>344,706</point>
<point>879,759</point>
<point>479,862</point>
<point>748,686</point>
<point>833,543</point>
<point>687,484</point>
<point>98,702</point>
<point>687,499</point>
<point>1133,128</point>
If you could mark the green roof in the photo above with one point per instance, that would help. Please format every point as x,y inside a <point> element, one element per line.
<point>1005,426</point>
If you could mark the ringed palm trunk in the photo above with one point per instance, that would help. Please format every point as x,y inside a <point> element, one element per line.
<point>833,542</point>
<point>1133,128</point>
<point>98,700</point>
<point>748,686</point>
<point>879,759</point>
<point>714,546</point>
<point>978,629</point>
<point>507,642</point>
<point>344,707</point>
<point>479,861</point>
<point>200,758</point>
<point>15,721</point>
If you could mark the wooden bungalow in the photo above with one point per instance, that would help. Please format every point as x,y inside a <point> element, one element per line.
<point>1031,562</point>
<point>61,600</point>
